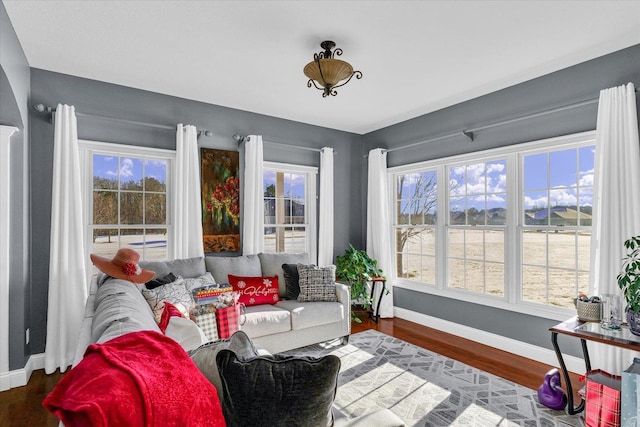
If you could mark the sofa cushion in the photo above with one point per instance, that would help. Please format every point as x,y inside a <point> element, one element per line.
<point>187,267</point>
<point>309,314</point>
<point>205,356</point>
<point>317,283</point>
<point>265,319</point>
<point>255,290</point>
<point>120,308</point>
<point>278,390</point>
<point>271,265</point>
<point>221,267</point>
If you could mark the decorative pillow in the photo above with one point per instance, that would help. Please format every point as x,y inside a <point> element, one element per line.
<point>317,283</point>
<point>255,290</point>
<point>271,265</point>
<point>185,332</point>
<point>152,284</point>
<point>196,282</point>
<point>205,356</point>
<point>176,293</point>
<point>278,390</point>
<point>291,279</point>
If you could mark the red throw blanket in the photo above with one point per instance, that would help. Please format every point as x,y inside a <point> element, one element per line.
<point>138,379</point>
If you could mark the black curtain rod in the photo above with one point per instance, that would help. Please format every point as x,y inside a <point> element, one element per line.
<point>469,133</point>
<point>41,108</point>
<point>240,139</point>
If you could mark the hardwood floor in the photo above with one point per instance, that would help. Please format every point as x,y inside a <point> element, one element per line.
<point>22,406</point>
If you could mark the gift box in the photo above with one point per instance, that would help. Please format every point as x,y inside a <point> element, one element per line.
<point>205,317</point>
<point>209,294</point>
<point>229,320</point>
<point>602,399</point>
<point>630,395</point>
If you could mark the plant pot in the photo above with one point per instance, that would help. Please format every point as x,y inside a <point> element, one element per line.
<point>633,319</point>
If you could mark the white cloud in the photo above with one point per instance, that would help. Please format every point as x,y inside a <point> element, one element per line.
<point>586,178</point>
<point>126,168</point>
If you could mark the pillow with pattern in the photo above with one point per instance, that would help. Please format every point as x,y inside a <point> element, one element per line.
<point>317,283</point>
<point>255,290</point>
<point>177,293</point>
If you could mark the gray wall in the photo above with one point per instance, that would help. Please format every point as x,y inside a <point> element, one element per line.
<point>574,84</point>
<point>89,96</point>
<point>32,162</point>
<point>14,106</point>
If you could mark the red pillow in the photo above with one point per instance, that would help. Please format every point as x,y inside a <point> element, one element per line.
<point>255,290</point>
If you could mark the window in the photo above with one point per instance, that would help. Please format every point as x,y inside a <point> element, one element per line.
<point>127,195</point>
<point>416,212</point>
<point>289,208</point>
<point>517,227</point>
<point>477,222</point>
<point>556,231</point>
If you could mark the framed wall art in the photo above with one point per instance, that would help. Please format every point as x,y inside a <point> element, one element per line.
<point>220,200</point>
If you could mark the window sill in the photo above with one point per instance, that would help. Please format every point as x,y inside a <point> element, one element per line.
<point>531,309</point>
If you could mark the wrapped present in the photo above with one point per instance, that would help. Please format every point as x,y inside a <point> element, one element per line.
<point>630,407</point>
<point>602,400</point>
<point>205,317</point>
<point>209,294</point>
<point>229,320</point>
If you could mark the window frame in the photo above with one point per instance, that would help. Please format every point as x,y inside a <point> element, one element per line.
<point>310,200</point>
<point>514,154</point>
<point>87,149</point>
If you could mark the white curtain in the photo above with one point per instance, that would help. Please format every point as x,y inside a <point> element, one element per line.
<point>67,273</point>
<point>325,230</point>
<point>616,203</point>
<point>379,226</point>
<point>253,199</point>
<point>187,208</point>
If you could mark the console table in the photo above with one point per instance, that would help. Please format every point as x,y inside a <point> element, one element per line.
<point>588,331</point>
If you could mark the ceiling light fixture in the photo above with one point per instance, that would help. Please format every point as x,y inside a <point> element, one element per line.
<point>326,73</point>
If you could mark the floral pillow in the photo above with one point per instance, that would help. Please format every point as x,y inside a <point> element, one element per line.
<point>255,290</point>
<point>177,293</point>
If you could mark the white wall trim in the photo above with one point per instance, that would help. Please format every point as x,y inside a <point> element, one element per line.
<point>5,212</point>
<point>543,355</point>
<point>20,377</point>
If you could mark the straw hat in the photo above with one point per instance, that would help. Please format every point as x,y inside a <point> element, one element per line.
<point>124,265</point>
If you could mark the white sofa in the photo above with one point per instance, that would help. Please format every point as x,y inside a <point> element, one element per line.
<point>115,307</point>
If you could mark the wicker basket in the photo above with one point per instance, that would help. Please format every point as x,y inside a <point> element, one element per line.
<point>589,311</point>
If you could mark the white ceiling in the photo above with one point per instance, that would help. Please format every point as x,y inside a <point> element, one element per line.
<point>416,56</point>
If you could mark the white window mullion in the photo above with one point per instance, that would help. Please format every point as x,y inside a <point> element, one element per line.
<point>442,235</point>
<point>513,254</point>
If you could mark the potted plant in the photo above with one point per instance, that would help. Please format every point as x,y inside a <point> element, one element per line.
<point>629,282</point>
<point>357,268</point>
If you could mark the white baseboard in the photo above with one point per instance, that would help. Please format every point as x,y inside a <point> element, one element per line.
<point>20,377</point>
<point>540,354</point>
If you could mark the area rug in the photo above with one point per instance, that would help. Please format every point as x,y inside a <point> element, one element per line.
<point>424,388</point>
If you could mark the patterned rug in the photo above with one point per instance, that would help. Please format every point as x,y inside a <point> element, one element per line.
<point>427,389</point>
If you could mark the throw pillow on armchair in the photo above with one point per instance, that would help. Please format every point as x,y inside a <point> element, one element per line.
<point>278,390</point>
